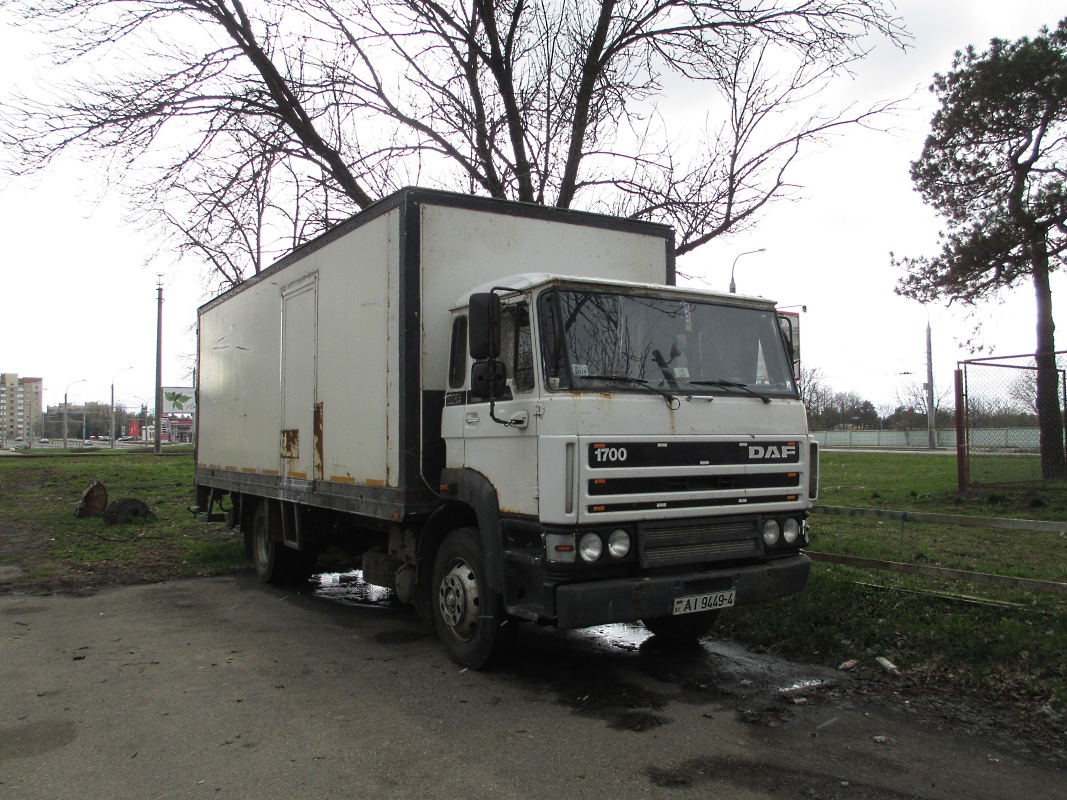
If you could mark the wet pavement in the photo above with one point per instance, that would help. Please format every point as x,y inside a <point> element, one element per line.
<point>225,687</point>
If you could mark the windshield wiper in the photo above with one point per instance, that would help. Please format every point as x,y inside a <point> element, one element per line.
<point>732,385</point>
<point>670,398</point>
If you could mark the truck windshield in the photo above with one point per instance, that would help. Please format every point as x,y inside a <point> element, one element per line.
<point>600,341</point>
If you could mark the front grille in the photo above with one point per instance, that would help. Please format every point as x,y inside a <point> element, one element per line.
<point>662,546</point>
<point>698,478</point>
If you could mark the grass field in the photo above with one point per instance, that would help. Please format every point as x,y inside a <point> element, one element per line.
<point>1009,644</point>
<point>1003,642</point>
<point>918,482</point>
<point>38,497</point>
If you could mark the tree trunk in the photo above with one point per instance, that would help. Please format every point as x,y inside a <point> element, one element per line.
<point>1049,413</point>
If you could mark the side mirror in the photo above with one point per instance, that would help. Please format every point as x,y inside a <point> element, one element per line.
<point>791,336</point>
<point>488,379</point>
<point>484,330</point>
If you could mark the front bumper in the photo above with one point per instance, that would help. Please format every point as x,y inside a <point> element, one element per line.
<point>580,605</point>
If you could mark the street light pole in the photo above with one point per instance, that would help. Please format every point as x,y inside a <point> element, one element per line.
<point>80,380</point>
<point>733,286</point>
<point>111,430</point>
<point>159,366</point>
<point>144,404</point>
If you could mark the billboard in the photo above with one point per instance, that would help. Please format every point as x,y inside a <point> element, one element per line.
<point>179,400</point>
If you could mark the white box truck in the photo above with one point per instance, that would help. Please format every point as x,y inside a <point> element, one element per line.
<point>507,412</point>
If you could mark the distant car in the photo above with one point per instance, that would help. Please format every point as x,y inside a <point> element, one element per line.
<point>19,439</point>
<point>45,441</point>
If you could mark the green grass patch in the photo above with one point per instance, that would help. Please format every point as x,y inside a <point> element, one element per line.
<point>56,550</point>
<point>217,556</point>
<point>1004,643</point>
<point>1006,655</point>
<point>927,482</point>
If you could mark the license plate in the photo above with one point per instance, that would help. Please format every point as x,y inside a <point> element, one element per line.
<point>703,602</point>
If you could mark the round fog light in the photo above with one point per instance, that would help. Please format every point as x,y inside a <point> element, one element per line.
<point>619,544</point>
<point>791,531</point>
<point>770,532</point>
<point>590,547</point>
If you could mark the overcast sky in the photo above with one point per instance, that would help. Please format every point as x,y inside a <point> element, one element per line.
<point>79,300</point>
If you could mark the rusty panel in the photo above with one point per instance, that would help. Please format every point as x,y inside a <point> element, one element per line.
<point>291,443</point>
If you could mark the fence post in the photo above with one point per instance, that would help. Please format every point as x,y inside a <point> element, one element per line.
<point>963,477</point>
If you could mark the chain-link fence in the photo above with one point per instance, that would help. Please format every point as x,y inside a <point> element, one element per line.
<point>998,436</point>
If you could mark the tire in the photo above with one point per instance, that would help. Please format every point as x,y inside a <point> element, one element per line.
<point>268,557</point>
<point>682,629</point>
<point>469,617</point>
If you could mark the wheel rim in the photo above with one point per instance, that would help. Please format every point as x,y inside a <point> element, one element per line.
<point>458,599</point>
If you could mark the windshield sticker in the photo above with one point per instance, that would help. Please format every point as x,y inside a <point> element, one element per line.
<point>580,370</point>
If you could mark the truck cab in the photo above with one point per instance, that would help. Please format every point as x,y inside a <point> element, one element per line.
<point>633,452</point>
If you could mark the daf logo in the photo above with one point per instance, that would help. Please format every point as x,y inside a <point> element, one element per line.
<point>784,451</point>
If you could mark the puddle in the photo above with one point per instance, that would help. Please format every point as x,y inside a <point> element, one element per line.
<point>804,687</point>
<point>619,636</point>
<point>349,588</point>
<point>705,666</point>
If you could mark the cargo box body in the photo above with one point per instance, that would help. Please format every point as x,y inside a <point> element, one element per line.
<point>321,380</point>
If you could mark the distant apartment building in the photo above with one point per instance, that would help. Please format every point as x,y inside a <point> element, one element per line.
<point>20,405</point>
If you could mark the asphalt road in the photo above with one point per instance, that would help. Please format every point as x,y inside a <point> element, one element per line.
<point>227,688</point>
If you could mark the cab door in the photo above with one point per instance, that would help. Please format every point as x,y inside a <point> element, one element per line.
<point>498,438</point>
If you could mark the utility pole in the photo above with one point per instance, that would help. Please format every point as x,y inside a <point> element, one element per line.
<point>931,423</point>
<point>159,366</point>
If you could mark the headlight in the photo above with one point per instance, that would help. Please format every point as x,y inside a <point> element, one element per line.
<point>770,532</point>
<point>791,531</point>
<point>619,544</point>
<point>590,547</point>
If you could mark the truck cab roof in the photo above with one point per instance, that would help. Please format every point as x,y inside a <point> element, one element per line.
<point>525,281</point>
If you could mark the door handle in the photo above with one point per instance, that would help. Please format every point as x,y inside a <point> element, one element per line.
<point>520,419</point>
<point>471,418</point>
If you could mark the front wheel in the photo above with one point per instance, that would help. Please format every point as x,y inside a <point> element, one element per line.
<point>683,628</point>
<point>469,616</point>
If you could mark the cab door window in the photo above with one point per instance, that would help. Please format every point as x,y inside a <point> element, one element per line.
<point>516,346</point>
<point>457,362</point>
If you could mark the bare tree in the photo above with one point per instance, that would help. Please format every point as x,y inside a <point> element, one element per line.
<point>984,411</point>
<point>911,396</point>
<point>1022,389</point>
<point>244,125</point>
<point>885,411</point>
<point>815,393</point>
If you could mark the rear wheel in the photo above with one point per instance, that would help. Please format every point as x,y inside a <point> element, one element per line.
<point>270,558</point>
<point>469,616</point>
<point>682,628</point>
